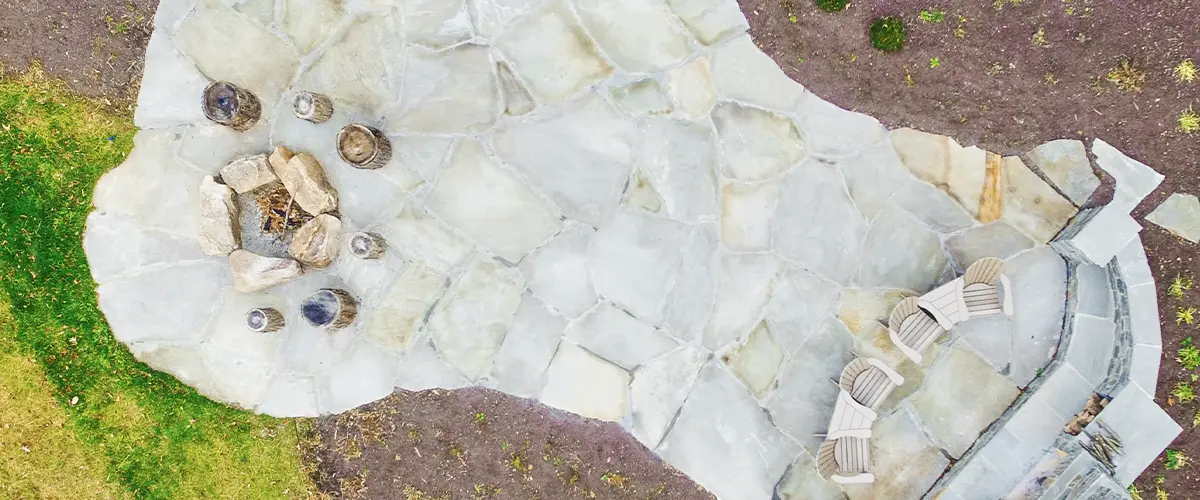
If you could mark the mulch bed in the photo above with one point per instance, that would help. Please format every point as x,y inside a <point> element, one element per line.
<point>95,46</point>
<point>1011,74</point>
<point>479,443</point>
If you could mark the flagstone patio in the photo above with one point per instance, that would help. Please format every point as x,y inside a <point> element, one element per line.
<point>621,208</point>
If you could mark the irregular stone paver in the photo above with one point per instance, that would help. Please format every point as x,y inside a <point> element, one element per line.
<point>1065,163</point>
<point>961,396</point>
<point>623,209</point>
<point>1180,215</point>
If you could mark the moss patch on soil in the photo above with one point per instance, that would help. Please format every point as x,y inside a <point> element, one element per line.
<point>157,437</point>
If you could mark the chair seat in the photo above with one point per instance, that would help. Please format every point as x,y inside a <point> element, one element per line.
<point>981,299</point>
<point>872,387</point>
<point>919,331</point>
<point>853,454</point>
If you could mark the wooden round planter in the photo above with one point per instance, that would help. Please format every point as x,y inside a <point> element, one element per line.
<point>315,108</point>
<point>264,320</point>
<point>364,147</point>
<point>329,308</point>
<point>367,245</point>
<point>230,105</point>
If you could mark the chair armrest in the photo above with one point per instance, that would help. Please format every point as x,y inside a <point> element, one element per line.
<point>1006,299</point>
<point>908,351</point>
<point>864,478</point>
<point>854,433</point>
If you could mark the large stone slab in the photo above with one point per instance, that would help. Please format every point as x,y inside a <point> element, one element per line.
<point>171,86</point>
<point>997,239</point>
<point>436,24</point>
<point>362,68</point>
<point>906,463</point>
<point>745,74</point>
<point>638,35</point>
<point>816,224</point>
<point>757,144</point>
<point>1135,180</point>
<point>632,260</point>
<point>1031,205</point>
<point>552,52</point>
<point>641,98</point>
<point>242,362</point>
<point>579,382</point>
<point>800,302</point>
<point>183,363</point>
<point>363,375</point>
<point>618,338</point>
<point>580,154</point>
<point>151,306</point>
<point>448,92</point>
<point>1039,281</point>
<point>1180,215</point>
<point>724,441</point>
<point>743,286</point>
<point>522,360</point>
<point>691,88</point>
<point>804,401</point>
<point>116,246</point>
<point>228,47</point>
<point>418,236</point>
<point>1143,427</point>
<point>151,189</point>
<point>491,17</point>
<point>961,397</point>
<point>803,482</point>
<point>557,271</point>
<point>756,361</point>
<point>835,132</point>
<point>487,203</point>
<point>1065,162</point>
<point>941,161</point>
<point>747,211</point>
<point>307,23</point>
<point>710,20</point>
<point>899,252</point>
<point>471,321</point>
<point>680,160</point>
<point>659,389</point>
<point>690,301</point>
<point>400,312</point>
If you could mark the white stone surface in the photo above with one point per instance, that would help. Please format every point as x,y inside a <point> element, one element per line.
<point>151,306</point>
<point>398,318</point>
<point>632,260</point>
<point>580,154</point>
<point>618,338</point>
<point>308,23</point>
<point>470,322</point>
<point>710,20</point>
<point>680,161</point>
<point>1180,215</point>
<point>641,98</point>
<point>639,35</point>
<point>579,382</point>
<point>521,363</point>
<point>691,88</point>
<point>659,389</point>
<point>453,91</point>
<point>550,50</point>
<point>557,272</point>
<point>487,203</point>
<point>361,67</point>
<point>816,225</point>
<point>436,24</point>
<point>757,144</point>
<point>746,215</point>
<point>744,73</point>
<point>255,273</point>
<point>724,441</point>
<point>171,86</point>
<point>743,285</point>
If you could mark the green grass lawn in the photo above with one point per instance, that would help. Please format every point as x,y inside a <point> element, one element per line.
<point>155,437</point>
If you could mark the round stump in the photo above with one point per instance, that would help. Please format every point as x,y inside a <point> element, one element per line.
<point>315,108</point>
<point>329,308</point>
<point>230,105</point>
<point>264,320</point>
<point>363,147</point>
<point>367,245</point>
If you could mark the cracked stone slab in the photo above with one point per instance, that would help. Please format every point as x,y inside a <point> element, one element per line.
<point>959,377</point>
<point>1065,162</point>
<point>1180,215</point>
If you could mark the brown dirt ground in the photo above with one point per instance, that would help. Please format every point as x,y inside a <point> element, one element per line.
<point>1002,86</point>
<point>96,46</point>
<point>482,444</point>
